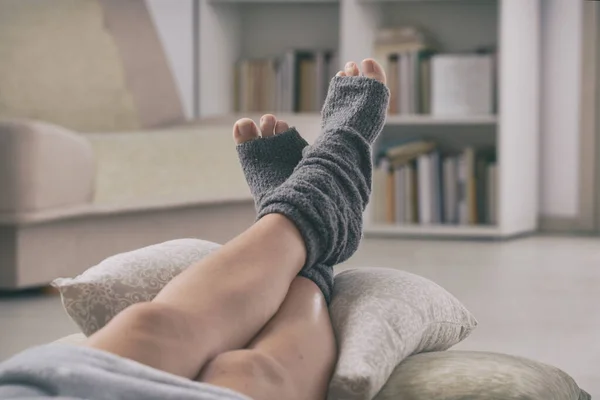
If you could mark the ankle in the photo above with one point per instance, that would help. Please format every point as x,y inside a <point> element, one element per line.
<point>284,228</point>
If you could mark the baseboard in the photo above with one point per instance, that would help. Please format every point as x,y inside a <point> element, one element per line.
<point>548,223</point>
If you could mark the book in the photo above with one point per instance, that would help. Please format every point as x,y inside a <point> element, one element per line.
<point>333,66</point>
<point>471,186</point>
<point>425,185</point>
<point>378,196</point>
<point>393,84</point>
<point>450,189</point>
<point>307,85</point>
<point>398,40</point>
<point>321,78</point>
<point>400,195</point>
<point>404,84</point>
<point>390,198</point>
<point>411,194</point>
<point>406,152</point>
<point>463,210</point>
<point>461,84</point>
<point>492,193</point>
<point>436,188</point>
<point>481,188</point>
<point>425,86</point>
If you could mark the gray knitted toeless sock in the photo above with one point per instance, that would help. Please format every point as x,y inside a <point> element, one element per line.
<point>268,162</point>
<point>328,191</point>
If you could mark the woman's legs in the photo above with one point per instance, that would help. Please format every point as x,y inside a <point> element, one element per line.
<point>293,356</point>
<point>215,306</point>
<point>221,303</point>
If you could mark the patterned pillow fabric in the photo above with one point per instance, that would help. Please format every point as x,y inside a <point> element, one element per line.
<point>380,317</point>
<point>460,375</point>
<point>93,298</point>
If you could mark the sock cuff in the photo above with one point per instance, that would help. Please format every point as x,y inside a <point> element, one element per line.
<point>322,276</point>
<point>356,102</point>
<point>264,146</point>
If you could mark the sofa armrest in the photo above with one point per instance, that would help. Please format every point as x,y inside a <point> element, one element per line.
<point>43,166</point>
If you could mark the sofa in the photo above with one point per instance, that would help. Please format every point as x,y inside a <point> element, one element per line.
<point>97,156</point>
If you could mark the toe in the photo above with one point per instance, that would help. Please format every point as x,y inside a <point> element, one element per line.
<point>341,73</point>
<point>351,69</point>
<point>281,126</point>
<point>244,130</point>
<point>267,125</point>
<point>372,69</point>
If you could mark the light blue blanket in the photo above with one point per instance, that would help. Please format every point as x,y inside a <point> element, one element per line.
<point>73,372</point>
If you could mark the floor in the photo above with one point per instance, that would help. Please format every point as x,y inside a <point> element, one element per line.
<point>537,297</point>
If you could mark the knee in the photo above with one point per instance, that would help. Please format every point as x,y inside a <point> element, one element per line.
<point>253,366</point>
<point>157,320</point>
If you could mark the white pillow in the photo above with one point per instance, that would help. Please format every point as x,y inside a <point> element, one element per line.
<point>380,316</point>
<point>93,298</point>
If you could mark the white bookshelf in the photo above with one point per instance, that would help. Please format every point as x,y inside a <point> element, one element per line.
<point>234,29</point>
<point>412,120</point>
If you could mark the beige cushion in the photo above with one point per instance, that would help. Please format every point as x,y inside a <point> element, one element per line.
<point>43,166</point>
<point>462,375</point>
<point>380,317</point>
<point>93,298</point>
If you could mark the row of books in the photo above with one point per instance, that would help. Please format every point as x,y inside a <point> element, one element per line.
<point>424,81</point>
<point>295,82</point>
<point>415,184</point>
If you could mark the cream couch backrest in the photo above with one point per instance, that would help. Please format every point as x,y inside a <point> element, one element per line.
<point>88,65</point>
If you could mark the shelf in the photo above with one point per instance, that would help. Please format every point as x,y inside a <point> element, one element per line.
<point>274,1</point>
<point>421,1</point>
<point>442,231</point>
<point>395,120</point>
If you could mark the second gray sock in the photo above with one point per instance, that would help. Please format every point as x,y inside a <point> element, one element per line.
<point>268,162</point>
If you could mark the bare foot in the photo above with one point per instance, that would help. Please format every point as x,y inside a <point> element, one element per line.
<point>370,69</point>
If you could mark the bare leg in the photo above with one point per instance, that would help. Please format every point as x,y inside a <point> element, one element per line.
<point>217,305</point>
<point>291,358</point>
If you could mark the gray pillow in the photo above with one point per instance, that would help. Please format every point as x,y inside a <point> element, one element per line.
<point>467,375</point>
<point>381,316</point>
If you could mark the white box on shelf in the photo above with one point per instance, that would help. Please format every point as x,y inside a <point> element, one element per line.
<point>462,84</point>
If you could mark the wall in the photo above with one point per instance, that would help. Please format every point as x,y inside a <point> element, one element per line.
<point>173,20</point>
<point>560,137</point>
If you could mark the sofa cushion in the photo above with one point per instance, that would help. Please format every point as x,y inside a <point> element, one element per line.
<point>43,166</point>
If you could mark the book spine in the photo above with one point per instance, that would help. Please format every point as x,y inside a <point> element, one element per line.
<point>390,198</point>
<point>450,190</point>
<point>463,210</point>
<point>436,188</point>
<point>400,196</point>
<point>321,70</point>
<point>471,186</point>
<point>492,193</point>
<point>404,83</point>
<point>424,187</point>
<point>378,197</point>
<point>412,210</point>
